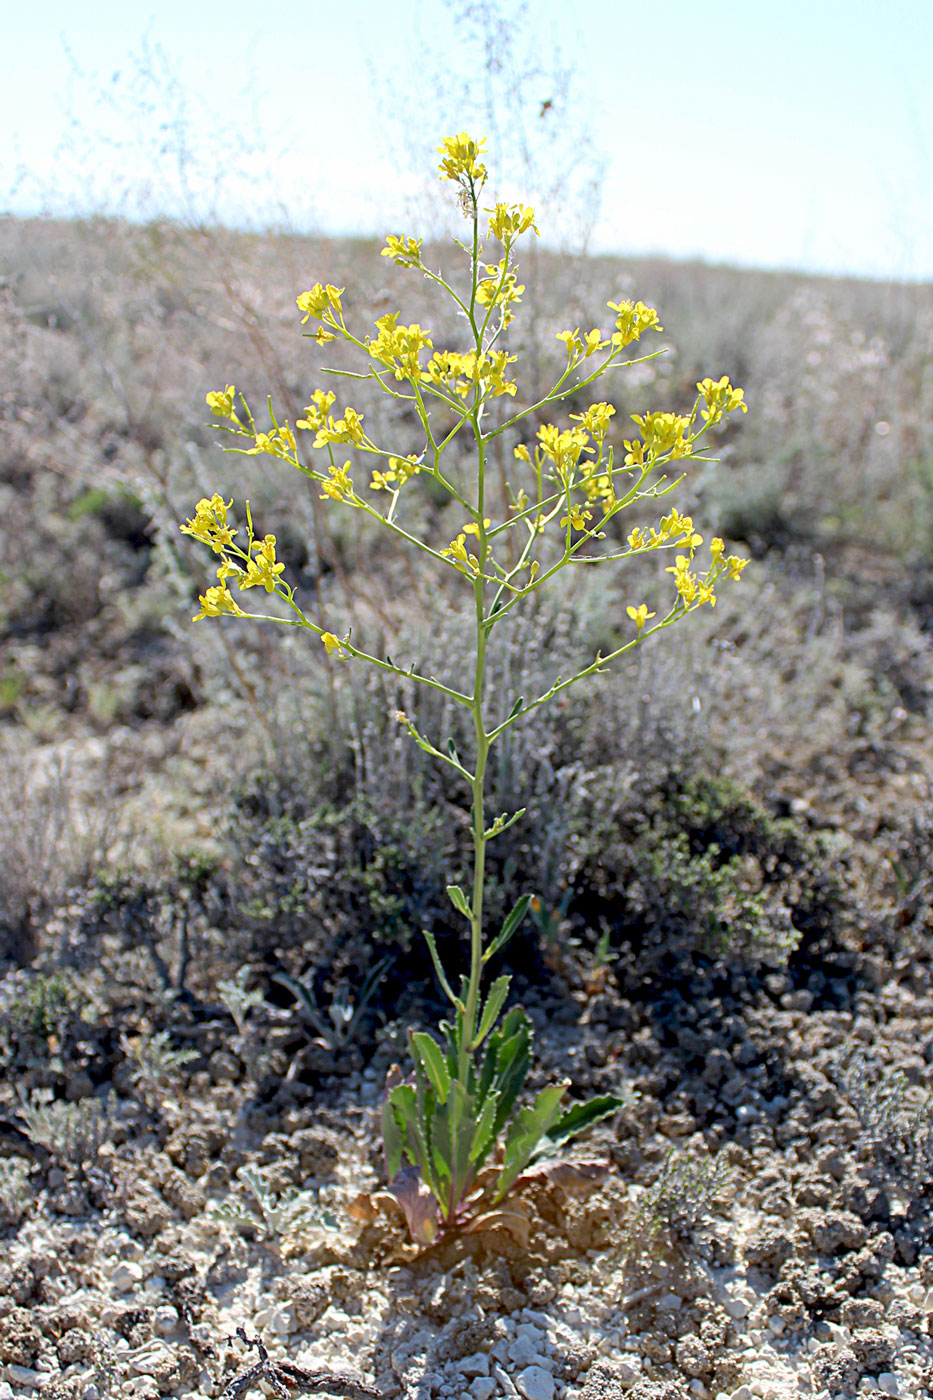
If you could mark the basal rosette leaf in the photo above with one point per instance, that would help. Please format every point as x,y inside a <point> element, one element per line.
<point>525,1133</point>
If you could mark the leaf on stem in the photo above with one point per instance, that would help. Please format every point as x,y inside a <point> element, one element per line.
<point>518,912</point>
<point>458,900</point>
<point>579,1117</point>
<point>494,1002</point>
<point>434,1062</point>
<point>438,968</point>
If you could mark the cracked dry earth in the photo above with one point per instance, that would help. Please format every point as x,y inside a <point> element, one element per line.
<point>801,1265</point>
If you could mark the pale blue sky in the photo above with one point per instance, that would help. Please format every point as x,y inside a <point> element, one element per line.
<point>772,134</point>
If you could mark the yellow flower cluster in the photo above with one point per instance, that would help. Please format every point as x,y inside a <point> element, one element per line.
<point>461,159</point>
<point>720,398</point>
<point>633,320</point>
<point>209,523</point>
<point>596,419</point>
<point>400,470</point>
<point>663,433</point>
<point>404,252</point>
<point>216,602</point>
<point>339,486</point>
<point>581,347</point>
<point>399,347</point>
<point>320,303</point>
<point>278,442</point>
<point>317,410</point>
<point>348,429</point>
<point>500,288</point>
<point>460,374</point>
<point>672,529</point>
<point>509,221</point>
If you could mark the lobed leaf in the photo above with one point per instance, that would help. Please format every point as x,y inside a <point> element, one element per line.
<point>526,1132</point>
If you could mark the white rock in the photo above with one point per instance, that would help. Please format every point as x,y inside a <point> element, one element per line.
<point>148,1362</point>
<point>887,1382</point>
<point>628,1369</point>
<point>670,1302</point>
<point>126,1275</point>
<point>483,1388</point>
<point>776,1325</point>
<point>743,1392</point>
<point>6,1391</point>
<point>165,1319</point>
<point>737,1307</point>
<point>535,1383</point>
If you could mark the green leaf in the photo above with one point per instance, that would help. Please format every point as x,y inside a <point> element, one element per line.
<point>413,1114</point>
<point>497,995</point>
<point>517,707</point>
<point>454,1126</point>
<point>519,910</point>
<point>435,1065</point>
<point>524,1134</point>
<point>438,968</point>
<point>502,823</point>
<point>580,1116</point>
<point>484,1134</point>
<point>458,900</point>
<point>393,1138</point>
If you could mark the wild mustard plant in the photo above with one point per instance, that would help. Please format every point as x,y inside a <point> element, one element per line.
<point>457,1114</point>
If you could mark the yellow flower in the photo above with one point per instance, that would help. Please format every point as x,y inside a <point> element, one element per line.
<point>633,320</point>
<point>522,453</point>
<point>640,615</point>
<point>209,524</point>
<point>336,647</point>
<point>460,161</point>
<point>457,554</point>
<point>319,301</point>
<point>221,402</point>
<point>577,518</point>
<point>216,602</point>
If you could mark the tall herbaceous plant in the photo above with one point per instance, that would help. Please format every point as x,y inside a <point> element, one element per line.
<point>456,1141</point>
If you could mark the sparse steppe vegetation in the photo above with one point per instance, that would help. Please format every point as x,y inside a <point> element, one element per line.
<point>730,843</point>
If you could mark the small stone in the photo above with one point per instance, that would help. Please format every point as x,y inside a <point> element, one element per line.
<point>887,1382</point>
<point>737,1307</point>
<point>483,1388</point>
<point>475,1365</point>
<point>125,1275</point>
<point>743,1392</point>
<point>670,1302</point>
<point>536,1384</point>
<point>22,1375</point>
